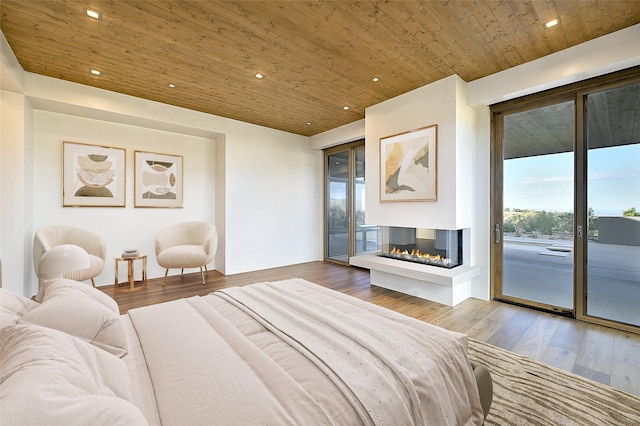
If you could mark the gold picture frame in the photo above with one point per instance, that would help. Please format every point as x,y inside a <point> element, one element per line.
<point>158,180</point>
<point>93,175</point>
<point>408,166</point>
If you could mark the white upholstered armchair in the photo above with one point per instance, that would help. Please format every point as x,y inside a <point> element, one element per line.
<point>186,245</point>
<point>49,237</point>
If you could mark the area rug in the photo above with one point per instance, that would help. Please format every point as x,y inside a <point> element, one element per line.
<point>527,392</point>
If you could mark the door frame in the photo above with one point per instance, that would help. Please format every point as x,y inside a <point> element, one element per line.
<point>579,92</point>
<point>497,196</point>
<point>616,80</point>
<point>351,188</point>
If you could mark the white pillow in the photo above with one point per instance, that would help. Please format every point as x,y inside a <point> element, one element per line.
<point>94,293</point>
<point>13,306</point>
<point>49,377</point>
<point>79,310</point>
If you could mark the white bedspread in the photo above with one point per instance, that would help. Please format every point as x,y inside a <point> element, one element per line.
<point>292,352</point>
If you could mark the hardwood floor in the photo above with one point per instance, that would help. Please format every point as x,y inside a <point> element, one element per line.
<point>602,354</point>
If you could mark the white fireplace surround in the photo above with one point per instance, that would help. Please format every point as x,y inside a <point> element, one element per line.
<point>442,285</point>
<point>455,204</point>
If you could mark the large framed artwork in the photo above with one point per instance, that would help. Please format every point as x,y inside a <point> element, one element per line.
<point>158,180</point>
<point>92,175</point>
<point>408,166</point>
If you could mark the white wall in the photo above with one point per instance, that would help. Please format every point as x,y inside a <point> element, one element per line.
<point>480,237</point>
<point>340,135</point>
<point>15,196</point>
<point>466,158</point>
<point>126,227</point>
<point>221,203</point>
<point>606,54</point>
<point>437,103</point>
<point>262,187</point>
<point>274,200</point>
<point>15,142</point>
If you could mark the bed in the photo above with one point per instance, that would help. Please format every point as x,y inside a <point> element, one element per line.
<point>286,352</point>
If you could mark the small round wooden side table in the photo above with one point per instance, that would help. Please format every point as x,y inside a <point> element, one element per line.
<point>130,273</point>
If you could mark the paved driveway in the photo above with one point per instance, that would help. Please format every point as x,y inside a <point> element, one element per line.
<point>533,272</point>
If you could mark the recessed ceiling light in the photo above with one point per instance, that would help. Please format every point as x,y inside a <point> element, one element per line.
<point>346,108</point>
<point>171,85</point>
<point>551,23</point>
<point>374,79</point>
<point>259,76</point>
<point>308,123</point>
<point>92,14</point>
<point>95,72</point>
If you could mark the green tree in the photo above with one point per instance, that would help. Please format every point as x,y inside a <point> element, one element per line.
<point>564,223</point>
<point>337,217</point>
<point>508,226</point>
<point>592,224</point>
<point>522,221</point>
<point>631,212</point>
<point>544,222</point>
<point>535,222</point>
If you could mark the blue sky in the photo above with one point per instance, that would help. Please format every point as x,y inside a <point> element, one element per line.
<point>546,182</point>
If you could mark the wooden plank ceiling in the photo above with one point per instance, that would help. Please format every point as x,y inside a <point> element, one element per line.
<point>317,56</point>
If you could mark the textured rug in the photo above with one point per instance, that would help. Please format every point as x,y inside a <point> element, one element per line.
<point>527,392</point>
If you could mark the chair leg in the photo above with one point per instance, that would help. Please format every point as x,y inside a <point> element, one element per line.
<point>206,271</point>
<point>182,272</point>
<point>202,275</point>
<point>93,282</point>
<point>165,276</point>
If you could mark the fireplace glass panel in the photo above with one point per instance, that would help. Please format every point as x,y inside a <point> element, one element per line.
<point>436,247</point>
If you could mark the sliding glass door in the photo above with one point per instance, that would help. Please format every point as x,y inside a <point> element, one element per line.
<point>336,206</point>
<point>538,200</point>
<point>566,200</point>
<point>346,231</point>
<point>613,200</point>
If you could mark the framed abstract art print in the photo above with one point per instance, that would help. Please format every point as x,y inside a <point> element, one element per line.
<point>408,166</point>
<point>93,175</point>
<point>158,180</point>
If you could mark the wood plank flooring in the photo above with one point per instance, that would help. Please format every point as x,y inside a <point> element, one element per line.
<point>599,353</point>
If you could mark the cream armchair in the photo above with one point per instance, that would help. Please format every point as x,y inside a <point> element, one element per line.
<point>49,237</point>
<point>186,245</point>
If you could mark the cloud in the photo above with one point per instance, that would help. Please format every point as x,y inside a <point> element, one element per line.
<point>614,176</point>
<point>537,180</point>
<point>534,192</point>
<point>548,179</point>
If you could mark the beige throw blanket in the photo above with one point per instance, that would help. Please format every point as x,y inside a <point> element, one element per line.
<point>389,368</point>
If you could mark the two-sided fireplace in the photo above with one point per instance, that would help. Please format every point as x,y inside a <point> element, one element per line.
<point>436,247</point>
